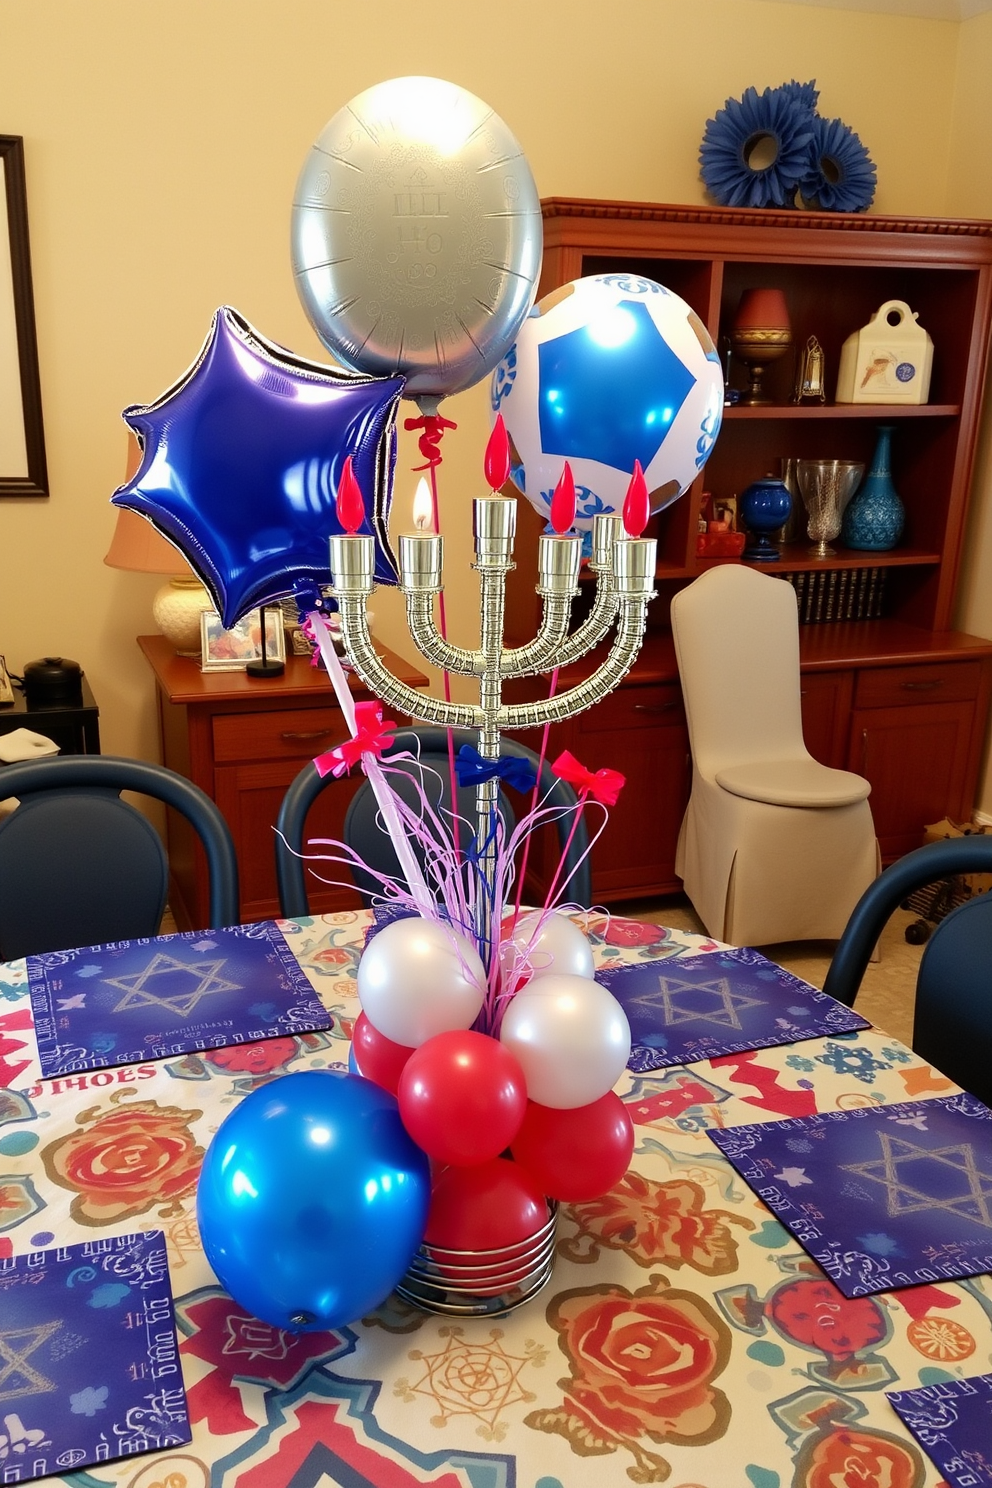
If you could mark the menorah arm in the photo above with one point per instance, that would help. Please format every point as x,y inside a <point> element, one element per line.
<point>623,654</point>
<point>381,682</point>
<point>542,652</point>
<point>429,641</point>
<point>594,627</point>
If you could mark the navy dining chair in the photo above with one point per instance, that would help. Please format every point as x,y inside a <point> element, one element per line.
<point>364,834</point>
<point>952,1020</point>
<point>79,866</point>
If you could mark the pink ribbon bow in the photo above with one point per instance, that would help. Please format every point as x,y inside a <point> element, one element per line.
<point>372,736</point>
<point>603,785</point>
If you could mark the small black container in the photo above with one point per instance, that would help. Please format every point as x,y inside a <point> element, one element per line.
<point>53,682</point>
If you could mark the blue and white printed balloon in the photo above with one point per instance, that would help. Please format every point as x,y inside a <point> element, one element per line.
<point>605,371</point>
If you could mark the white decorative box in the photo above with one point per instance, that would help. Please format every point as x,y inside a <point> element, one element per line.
<point>888,360</point>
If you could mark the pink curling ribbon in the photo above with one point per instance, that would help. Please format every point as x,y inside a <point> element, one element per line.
<point>372,736</point>
<point>603,785</point>
<point>433,427</point>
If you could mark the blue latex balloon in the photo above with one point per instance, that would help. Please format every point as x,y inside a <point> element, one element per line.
<point>312,1200</point>
<point>241,461</point>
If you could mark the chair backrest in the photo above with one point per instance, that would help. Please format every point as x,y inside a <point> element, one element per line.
<point>952,1023</point>
<point>868,918</point>
<point>363,833</point>
<point>79,866</point>
<point>736,636</point>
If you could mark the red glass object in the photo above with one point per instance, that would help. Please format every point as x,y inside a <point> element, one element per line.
<point>636,506</point>
<point>563,502</point>
<point>497,460</point>
<point>350,503</point>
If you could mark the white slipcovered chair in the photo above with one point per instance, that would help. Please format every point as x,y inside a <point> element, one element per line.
<point>774,846</point>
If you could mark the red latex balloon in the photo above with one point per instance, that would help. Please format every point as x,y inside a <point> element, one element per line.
<point>462,1097</point>
<point>576,1154</point>
<point>377,1057</point>
<point>494,1206</point>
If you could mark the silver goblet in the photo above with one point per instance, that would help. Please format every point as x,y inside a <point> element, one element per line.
<point>826,487</point>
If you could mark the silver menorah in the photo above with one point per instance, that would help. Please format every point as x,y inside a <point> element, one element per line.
<point>624,569</point>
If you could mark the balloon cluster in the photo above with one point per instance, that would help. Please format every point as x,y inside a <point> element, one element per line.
<point>539,1088</point>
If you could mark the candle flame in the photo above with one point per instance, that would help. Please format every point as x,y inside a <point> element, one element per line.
<point>423,507</point>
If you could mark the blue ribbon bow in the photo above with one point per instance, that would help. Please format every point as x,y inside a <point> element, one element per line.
<point>472,769</point>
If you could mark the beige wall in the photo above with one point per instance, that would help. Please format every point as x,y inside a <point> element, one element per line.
<point>162,142</point>
<point>969,194</point>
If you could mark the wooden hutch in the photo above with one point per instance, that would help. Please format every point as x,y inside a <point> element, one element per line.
<point>901,698</point>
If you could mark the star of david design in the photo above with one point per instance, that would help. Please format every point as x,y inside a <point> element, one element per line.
<point>723,1008</point>
<point>17,1376</point>
<point>205,975</point>
<point>472,1379</point>
<point>904,1198</point>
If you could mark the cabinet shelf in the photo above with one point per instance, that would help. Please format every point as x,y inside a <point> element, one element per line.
<point>879,411</point>
<point>797,558</point>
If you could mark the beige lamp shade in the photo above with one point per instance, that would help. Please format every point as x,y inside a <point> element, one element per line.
<point>137,545</point>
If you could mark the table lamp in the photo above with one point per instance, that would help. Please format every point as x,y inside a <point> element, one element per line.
<point>136,545</point>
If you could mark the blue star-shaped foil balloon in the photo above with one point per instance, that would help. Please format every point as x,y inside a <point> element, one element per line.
<point>241,461</point>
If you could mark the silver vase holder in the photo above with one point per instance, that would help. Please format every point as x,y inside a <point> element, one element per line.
<point>481,1283</point>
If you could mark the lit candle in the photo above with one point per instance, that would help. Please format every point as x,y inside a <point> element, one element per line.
<point>497,460</point>
<point>558,556</point>
<point>350,503</point>
<point>423,507</point>
<point>636,505</point>
<point>420,551</point>
<point>634,556</point>
<point>352,557</point>
<point>563,502</point>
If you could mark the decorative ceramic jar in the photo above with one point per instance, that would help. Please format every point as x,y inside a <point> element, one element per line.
<point>763,508</point>
<point>875,518</point>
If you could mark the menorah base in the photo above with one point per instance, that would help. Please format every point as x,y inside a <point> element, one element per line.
<point>481,1283</point>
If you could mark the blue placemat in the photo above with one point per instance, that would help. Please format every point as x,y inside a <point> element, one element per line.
<point>722,1002</point>
<point>952,1421</point>
<point>89,1367</point>
<point>883,1196</point>
<point>152,999</point>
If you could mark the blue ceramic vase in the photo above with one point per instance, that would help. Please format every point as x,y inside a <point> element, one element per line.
<point>764,507</point>
<point>875,518</point>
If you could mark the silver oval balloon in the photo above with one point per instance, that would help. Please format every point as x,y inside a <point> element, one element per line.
<point>417,236</point>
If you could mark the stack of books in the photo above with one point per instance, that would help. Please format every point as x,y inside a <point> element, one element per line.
<point>838,594</point>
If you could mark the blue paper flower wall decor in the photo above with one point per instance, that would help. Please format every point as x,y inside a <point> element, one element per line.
<point>764,149</point>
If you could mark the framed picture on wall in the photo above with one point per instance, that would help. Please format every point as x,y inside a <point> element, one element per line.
<point>23,468</point>
<point>231,650</point>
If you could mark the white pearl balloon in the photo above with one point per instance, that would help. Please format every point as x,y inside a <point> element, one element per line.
<point>417,978</point>
<point>572,1038</point>
<point>558,946</point>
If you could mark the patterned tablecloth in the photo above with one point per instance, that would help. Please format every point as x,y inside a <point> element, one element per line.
<point>683,1338</point>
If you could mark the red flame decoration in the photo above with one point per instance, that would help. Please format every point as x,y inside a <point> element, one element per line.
<point>350,503</point>
<point>563,502</point>
<point>497,461</point>
<point>636,506</point>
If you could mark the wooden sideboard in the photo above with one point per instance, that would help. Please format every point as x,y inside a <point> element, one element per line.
<point>243,740</point>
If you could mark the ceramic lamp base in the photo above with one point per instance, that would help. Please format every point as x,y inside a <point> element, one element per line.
<point>177,608</point>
